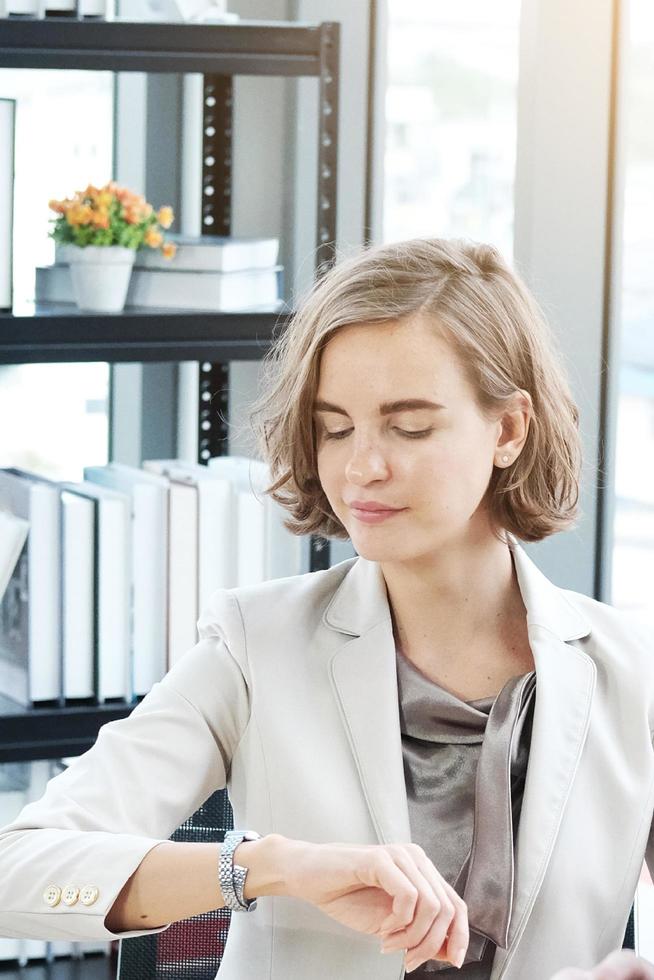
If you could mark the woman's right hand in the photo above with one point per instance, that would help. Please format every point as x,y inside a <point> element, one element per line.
<point>392,891</point>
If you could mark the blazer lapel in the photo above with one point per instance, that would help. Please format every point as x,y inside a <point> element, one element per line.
<point>363,675</point>
<point>565,683</point>
<point>364,679</point>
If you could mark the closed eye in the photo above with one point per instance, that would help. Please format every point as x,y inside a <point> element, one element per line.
<point>415,434</point>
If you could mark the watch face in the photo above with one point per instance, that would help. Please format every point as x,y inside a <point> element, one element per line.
<point>250,835</point>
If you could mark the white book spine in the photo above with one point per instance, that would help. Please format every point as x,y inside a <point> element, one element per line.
<point>148,569</point>
<point>44,585</point>
<point>182,571</point>
<point>78,596</point>
<point>23,8</point>
<point>217,531</point>
<point>92,8</point>
<point>150,575</point>
<point>113,601</point>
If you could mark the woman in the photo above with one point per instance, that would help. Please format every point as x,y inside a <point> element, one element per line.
<point>373,722</point>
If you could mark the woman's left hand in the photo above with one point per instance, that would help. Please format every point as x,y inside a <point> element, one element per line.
<point>621,964</point>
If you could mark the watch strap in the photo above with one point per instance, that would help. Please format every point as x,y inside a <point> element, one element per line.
<point>232,876</point>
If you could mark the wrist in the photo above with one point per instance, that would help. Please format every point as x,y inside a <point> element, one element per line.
<point>267,861</point>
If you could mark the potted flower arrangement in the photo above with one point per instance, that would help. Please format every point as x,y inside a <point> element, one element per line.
<point>101,229</point>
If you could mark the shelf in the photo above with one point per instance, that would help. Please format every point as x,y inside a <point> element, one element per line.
<point>52,733</point>
<point>90,967</point>
<point>60,333</point>
<point>248,48</point>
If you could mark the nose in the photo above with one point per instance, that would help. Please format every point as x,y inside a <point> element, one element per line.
<point>366,463</point>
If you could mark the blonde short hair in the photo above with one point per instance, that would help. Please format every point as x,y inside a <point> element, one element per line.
<point>484,309</point>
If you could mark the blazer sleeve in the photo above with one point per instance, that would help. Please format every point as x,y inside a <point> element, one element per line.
<point>142,778</point>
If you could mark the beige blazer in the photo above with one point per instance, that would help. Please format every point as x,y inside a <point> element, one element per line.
<point>290,699</point>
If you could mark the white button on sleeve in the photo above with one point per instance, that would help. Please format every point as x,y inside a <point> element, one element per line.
<point>70,895</point>
<point>88,894</point>
<point>52,895</point>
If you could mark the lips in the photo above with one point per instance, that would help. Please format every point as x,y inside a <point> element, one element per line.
<point>374,513</point>
<point>372,507</point>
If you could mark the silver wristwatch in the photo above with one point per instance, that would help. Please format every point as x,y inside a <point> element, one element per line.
<point>232,876</point>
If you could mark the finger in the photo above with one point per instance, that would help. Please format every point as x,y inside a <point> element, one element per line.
<point>455,923</point>
<point>431,946</point>
<point>433,904</point>
<point>387,875</point>
<point>458,934</point>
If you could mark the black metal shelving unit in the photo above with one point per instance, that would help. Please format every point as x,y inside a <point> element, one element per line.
<point>59,333</point>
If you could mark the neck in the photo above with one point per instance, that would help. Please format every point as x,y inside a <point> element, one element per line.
<point>456,597</point>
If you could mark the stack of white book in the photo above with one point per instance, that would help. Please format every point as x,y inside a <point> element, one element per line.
<point>115,570</point>
<point>211,273</point>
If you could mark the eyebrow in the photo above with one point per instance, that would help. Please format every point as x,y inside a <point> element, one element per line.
<point>386,408</point>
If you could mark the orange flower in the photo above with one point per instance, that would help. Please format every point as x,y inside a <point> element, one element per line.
<point>153,238</point>
<point>104,199</point>
<point>168,251</point>
<point>101,218</point>
<point>79,214</point>
<point>165,216</point>
<point>58,206</point>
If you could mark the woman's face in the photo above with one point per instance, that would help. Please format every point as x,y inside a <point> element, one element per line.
<point>431,463</point>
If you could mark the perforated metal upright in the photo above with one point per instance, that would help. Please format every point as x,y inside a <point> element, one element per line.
<point>216,217</point>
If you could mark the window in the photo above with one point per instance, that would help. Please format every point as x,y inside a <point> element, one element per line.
<point>64,123</point>
<point>451,116</point>
<point>633,528</point>
<point>633,520</point>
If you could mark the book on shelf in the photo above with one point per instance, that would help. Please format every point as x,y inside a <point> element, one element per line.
<point>267,549</point>
<point>79,586</point>
<point>183,545</point>
<point>231,549</point>
<point>115,570</point>
<point>216,530</point>
<point>148,494</point>
<point>111,610</point>
<point>13,534</point>
<point>20,8</point>
<point>7,151</point>
<point>101,9</point>
<point>58,8</point>
<point>30,618</point>
<point>212,253</point>
<point>184,290</point>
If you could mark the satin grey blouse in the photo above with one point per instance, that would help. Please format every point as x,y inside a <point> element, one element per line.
<point>464,767</point>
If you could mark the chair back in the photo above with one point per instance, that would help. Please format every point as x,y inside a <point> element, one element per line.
<point>190,949</point>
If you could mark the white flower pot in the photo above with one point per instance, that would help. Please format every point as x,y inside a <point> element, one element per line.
<point>100,275</point>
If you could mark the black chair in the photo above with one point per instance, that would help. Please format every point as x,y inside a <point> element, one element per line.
<point>192,948</point>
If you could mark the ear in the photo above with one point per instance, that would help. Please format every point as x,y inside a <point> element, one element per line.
<point>514,426</point>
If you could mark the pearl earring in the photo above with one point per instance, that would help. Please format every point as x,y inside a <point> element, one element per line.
<point>505,459</point>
